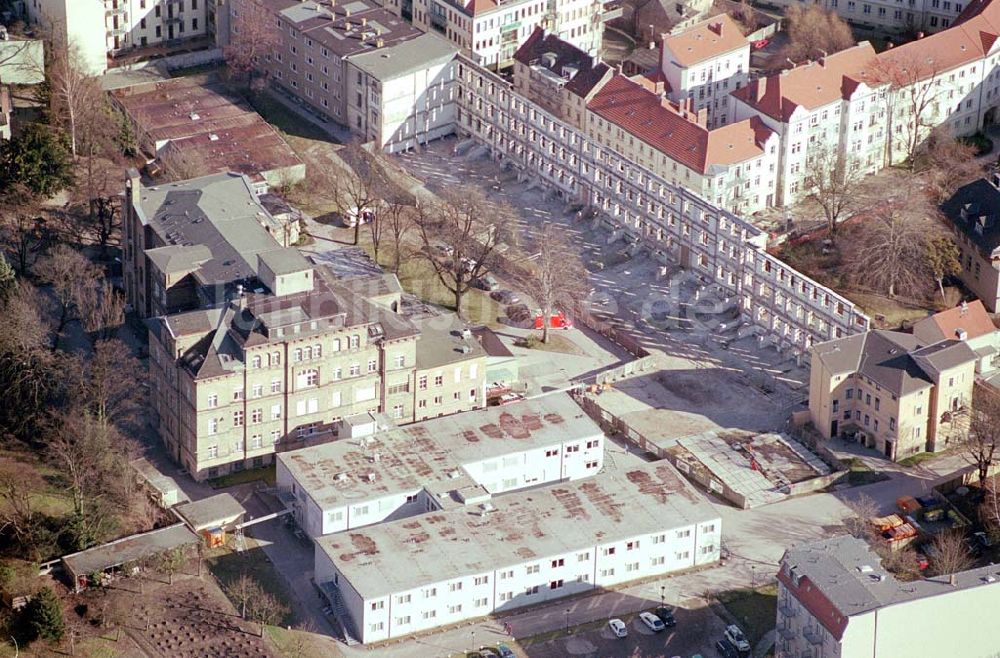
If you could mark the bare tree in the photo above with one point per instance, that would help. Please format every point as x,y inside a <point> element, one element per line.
<point>951,554</point>
<point>76,98</point>
<point>266,609</point>
<point>68,272</point>
<point>889,250</point>
<point>863,510</point>
<point>21,225</point>
<point>107,385</point>
<point>946,164</point>
<point>102,309</point>
<point>833,181</point>
<point>471,228</point>
<point>171,562</point>
<point>397,220</point>
<point>177,164</point>
<point>556,278</point>
<point>253,37</point>
<point>813,32</point>
<point>983,439</point>
<point>241,591</point>
<point>99,186</point>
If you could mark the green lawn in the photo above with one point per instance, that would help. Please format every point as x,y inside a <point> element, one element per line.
<point>227,565</point>
<point>285,120</point>
<point>917,459</point>
<point>418,277</point>
<point>302,644</point>
<point>557,343</point>
<point>262,474</point>
<point>754,609</point>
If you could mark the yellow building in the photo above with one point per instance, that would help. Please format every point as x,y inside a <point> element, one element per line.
<point>892,392</point>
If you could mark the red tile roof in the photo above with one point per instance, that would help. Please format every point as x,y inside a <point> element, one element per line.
<point>702,41</point>
<point>665,127</point>
<point>589,72</point>
<point>476,7</point>
<point>810,85</point>
<point>973,320</point>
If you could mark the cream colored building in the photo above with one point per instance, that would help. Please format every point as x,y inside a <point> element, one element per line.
<point>836,599</point>
<point>898,395</point>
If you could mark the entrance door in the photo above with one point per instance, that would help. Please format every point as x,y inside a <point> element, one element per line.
<point>888,449</point>
<point>833,429</point>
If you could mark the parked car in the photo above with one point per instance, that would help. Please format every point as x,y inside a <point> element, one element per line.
<point>651,621</point>
<point>617,627</point>
<point>666,615</point>
<point>982,539</point>
<point>505,297</point>
<point>556,321</point>
<point>505,651</point>
<point>487,283</point>
<point>518,313</point>
<point>726,649</point>
<point>510,398</point>
<point>736,636</point>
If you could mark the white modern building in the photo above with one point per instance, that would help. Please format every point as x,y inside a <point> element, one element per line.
<point>836,599</point>
<point>439,464</point>
<point>98,29</point>
<point>705,62</point>
<point>419,573</point>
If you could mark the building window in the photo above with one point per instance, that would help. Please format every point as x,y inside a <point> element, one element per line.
<point>238,418</point>
<point>397,411</point>
<point>400,361</point>
<point>276,386</point>
<point>213,425</point>
<point>257,416</point>
<point>213,401</point>
<point>372,365</point>
<point>439,380</point>
<point>422,383</point>
<point>212,452</point>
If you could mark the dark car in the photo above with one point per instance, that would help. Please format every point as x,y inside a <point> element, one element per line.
<point>727,649</point>
<point>666,615</point>
<point>505,297</point>
<point>505,651</point>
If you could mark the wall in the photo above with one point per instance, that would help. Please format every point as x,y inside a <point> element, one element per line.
<point>673,222</point>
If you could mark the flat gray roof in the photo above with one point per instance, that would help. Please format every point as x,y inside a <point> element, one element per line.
<point>398,60</point>
<point>614,505</point>
<point>442,341</point>
<point>129,549</point>
<point>433,451</point>
<point>211,512</point>
<point>850,575</point>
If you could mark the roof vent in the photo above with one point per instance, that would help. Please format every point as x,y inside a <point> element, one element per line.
<point>212,137</point>
<point>194,116</point>
<point>865,568</point>
<point>340,477</point>
<point>370,477</point>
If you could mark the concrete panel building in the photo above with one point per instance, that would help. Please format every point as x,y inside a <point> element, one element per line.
<point>363,67</point>
<point>438,464</point>
<point>898,395</point>
<point>836,599</point>
<point>446,566</point>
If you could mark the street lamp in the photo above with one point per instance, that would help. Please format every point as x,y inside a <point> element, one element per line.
<point>473,639</point>
<point>753,576</point>
<point>567,621</point>
<point>663,589</point>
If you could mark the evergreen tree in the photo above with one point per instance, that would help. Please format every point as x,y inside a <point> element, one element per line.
<point>45,617</point>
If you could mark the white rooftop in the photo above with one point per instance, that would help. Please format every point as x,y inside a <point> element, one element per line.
<point>432,452</point>
<point>402,555</point>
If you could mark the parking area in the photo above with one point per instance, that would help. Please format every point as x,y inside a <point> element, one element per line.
<point>696,632</point>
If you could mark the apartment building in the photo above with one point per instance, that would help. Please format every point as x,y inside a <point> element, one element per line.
<point>896,394</point>
<point>973,213</point>
<point>255,349</point>
<point>363,67</point>
<point>893,16</point>
<point>440,463</point>
<point>703,64</point>
<point>490,32</point>
<point>836,599</point>
<point>519,549</point>
<point>100,29</point>
<point>678,226</point>
<point>734,166</point>
<point>558,76</point>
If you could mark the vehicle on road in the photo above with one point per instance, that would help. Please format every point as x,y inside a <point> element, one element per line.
<point>651,621</point>
<point>487,283</point>
<point>727,649</point>
<point>505,651</point>
<point>505,297</point>
<point>617,627</point>
<point>736,636</point>
<point>352,217</point>
<point>666,615</point>
<point>510,398</point>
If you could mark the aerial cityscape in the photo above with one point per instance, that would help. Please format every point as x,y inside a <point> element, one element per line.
<point>500,328</point>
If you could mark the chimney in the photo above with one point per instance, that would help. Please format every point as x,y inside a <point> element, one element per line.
<point>716,27</point>
<point>133,186</point>
<point>761,88</point>
<point>658,86</point>
<point>964,309</point>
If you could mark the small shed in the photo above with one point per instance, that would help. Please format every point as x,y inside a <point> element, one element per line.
<point>165,488</point>
<point>218,511</point>
<point>135,548</point>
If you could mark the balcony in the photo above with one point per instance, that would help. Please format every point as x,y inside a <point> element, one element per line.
<point>787,610</point>
<point>117,32</point>
<point>813,636</point>
<point>115,10</point>
<point>611,10</point>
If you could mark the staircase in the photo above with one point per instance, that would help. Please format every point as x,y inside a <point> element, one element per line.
<point>341,618</point>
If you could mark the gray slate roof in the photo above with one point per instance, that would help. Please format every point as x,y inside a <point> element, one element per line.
<point>975,210</point>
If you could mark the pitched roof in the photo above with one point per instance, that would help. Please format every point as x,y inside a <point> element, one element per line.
<point>583,71</point>
<point>974,209</point>
<point>810,85</point>
<point>662,125</point>
<point>702,41</point>
<point>899,362</point>
<point>970,318</point>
